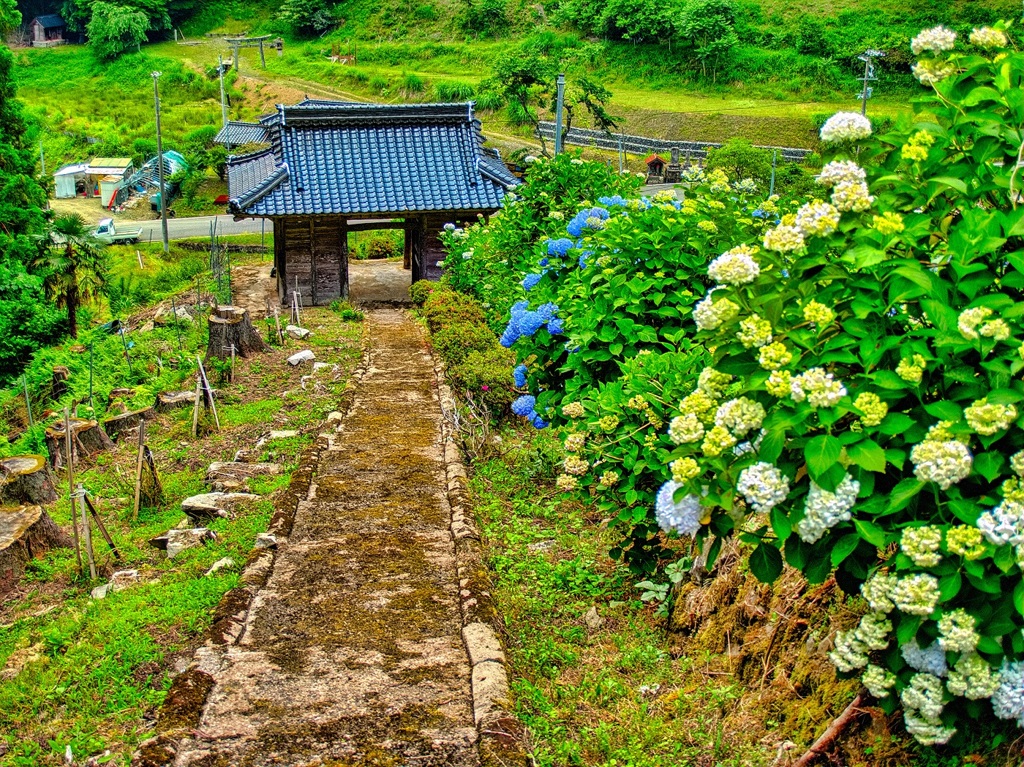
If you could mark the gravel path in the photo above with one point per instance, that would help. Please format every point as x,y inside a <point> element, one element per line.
<point>351,653</point>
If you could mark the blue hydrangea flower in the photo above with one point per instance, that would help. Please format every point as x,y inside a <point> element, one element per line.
<point>524,405</point>
<point>547,311</point>
<point>530,281</point>
<point>683,516</point>
<point>538,422</point>
<point>530,323</point>
<point>579,222</point>
<point>555,326</point>
<point>583,260</point>
<point>618,201</point>
<point>519,307</point>
<point>559,247</point>
<point>544,262</point>
<point>519,376</point>
<point>510,336</point>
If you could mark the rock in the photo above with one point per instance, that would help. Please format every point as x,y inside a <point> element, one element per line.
<point>335,417</point>
<point>539,546</point>
<point>481,644</point>
<point>296,332</point>
<point>299,357</point>
<point>282,434</point>
<point>147,327</point>
<point>165,315</point>
<point>179,540</point>
<point>100,592</point>
<point>220,564</point>
<point>266,541</point>
<point>210,505</point>
<point>318,366</point>
<point>234,475</point>
<point>122,579</point>
<point>593,620</point>
<point>17,661</point>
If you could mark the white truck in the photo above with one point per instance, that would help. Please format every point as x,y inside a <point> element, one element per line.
<point>108,233</point>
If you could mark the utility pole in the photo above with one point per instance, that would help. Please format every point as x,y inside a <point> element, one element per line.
<point>868,58</point>
<point>775,157</point>
<point>621,153</point>
<point>42,163</point>
<point>160,163</point>
<point>558,114</point>
<point>223,101</point>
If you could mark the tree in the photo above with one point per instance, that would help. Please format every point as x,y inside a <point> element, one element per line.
<point>707,29</point>
<point>638,20</point>
<point>309,17</point>
<point>741,159</point>
<point>115,29</point>
<point>72,264</point>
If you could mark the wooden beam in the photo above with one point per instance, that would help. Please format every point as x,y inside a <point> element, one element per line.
<point>369,226</point>
<point>343,255</point>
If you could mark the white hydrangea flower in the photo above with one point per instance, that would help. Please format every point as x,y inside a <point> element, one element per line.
<point>824,510</point>
<point>924,695</point>
<point>989,418</point>
<point>873,631</point>
<point>754,331</point>
<point>849,653</point>
<point>819,388</point>
<point>845,126</point>
<point>763,486</point>
<point>735,267</point>
<point>921,544</point>
<point>852,196</point>
<point>784,239</point>
<point>927,732</point>
<point>931,659</point>
<point>943,462</point>
<point>841,170</point>
<point>931,71</point>
<point>740,415</point>
<point>1004,524</point>
<point>877,590</point>
<point>710,314</point>
<point>916,594</point>
<point>685,428</point>
<point>1017,463</point>
<point>878,681</point>
<point>817,219</point>
<point>1008,699</point>
<point>973,678</point>
<point>988,38</point>
<point>957,631</point>
<point>683,516</point>
<point>935,40</point>
<point>970,319</point>
<point>712,382</point>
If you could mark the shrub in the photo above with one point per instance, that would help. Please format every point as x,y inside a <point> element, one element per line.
<point>485,376</point>
<point>453,90</point>
<point>457,339</point>
<point>420,290</point>
<point>443,307</point>
<point>412,83</point>
<point>346,311</point>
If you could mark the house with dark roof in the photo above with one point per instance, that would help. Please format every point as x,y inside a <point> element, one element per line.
<point>47,31</point>
<point>237,133</point>
<point>337,167</point>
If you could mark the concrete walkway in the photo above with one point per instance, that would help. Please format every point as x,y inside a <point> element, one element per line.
<point>351,653</point>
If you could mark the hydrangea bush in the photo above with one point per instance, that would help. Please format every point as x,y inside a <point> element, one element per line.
<point>861,414</point>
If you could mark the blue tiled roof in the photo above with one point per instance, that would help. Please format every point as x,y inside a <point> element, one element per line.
<point>347,158</point>
<point>239,133</point>
<point>49,21</point>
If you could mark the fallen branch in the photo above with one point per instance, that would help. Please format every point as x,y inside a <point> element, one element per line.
<point>828,738</point>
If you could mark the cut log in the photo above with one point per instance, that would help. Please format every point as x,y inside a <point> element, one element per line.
<point>120,424</point>
<point>25,532</point>
<point>88,438</point>
<point>230,327</point>
<point>59,382</point>
<point>171,400</point>
<point>123,393</point>
<point>25,479</point>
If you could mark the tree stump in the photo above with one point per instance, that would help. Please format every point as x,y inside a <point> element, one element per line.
<point>172,400</point>
<point>230,326</point>
<point>59,382</point>
<point>120,424</point>
<point>25,532</point>
<point>25,479</point>
<point>87,438</point>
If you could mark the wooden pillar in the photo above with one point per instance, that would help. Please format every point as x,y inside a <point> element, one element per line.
<point>236,57</point>
<point>407,244</point>
<point>312,263</point>
<point>343,255</point>
<point>280,260</point>
<point>418,249</point>
<point>263,59</point>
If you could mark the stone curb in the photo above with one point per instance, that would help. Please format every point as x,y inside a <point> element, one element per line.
<point>182,708</point>
<point>502,737</point>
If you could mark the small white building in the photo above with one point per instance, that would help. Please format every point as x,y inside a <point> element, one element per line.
<point>105,175</point>
<point>69,181</point>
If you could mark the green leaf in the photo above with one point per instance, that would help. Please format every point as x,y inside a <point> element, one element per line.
<point>949,181</point>
<point>945,410</point>
<point>713,551</point>
<point>781,525</point>
<point>903,494</point>
<point>907,630</point>
<point>868,455</point>
<point>896,423</point>
<point>965,511</point>
<point>844,547</point>
<point>870,532</point>
<point>766,563</point>
<point>989,645</point>
<point>1018,597</point>
<point>988,464</point>
<point>949,586</point>
<point>771,445</point>
<point>821,453</point>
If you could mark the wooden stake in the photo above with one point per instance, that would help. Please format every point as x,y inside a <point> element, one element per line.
<point>277,321</point>
<point>28,405</point>
<point>71,485</point>
<point>195,409</point>
<point>209,391</point>
<point>103,528</point>
<point>139,256</point>
<point>87,530</point>
<point>138,471</point>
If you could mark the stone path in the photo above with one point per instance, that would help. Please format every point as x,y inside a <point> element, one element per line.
<point>351,653</point>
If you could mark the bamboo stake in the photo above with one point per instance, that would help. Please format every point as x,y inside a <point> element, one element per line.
<point>71,485</point>
<point>102,527</point>
<point>208,391</point>
<point>277,321</point>
<point>87,530</point>
<point>28,405</point>
<point>195,409</point>
<point>138,471</point>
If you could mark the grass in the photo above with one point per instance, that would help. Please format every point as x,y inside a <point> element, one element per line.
<point>84,673</point>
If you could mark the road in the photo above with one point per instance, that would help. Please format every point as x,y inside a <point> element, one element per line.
<point>197,226</point>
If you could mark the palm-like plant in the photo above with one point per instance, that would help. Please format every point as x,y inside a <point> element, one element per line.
<point>72,264</point>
